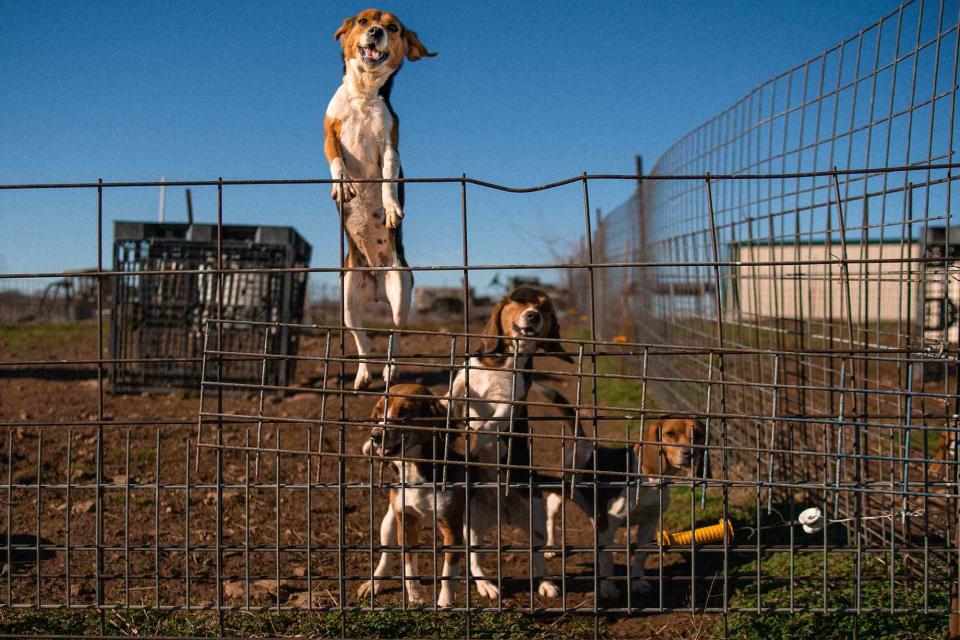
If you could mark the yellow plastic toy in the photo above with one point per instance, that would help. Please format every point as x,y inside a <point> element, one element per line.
<point>703,535</point>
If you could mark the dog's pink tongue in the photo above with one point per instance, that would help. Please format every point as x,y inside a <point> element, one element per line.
<point>372,53</point>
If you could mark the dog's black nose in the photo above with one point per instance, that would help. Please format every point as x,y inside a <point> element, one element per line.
<point>376,434</point>
<point>531,315</point>
<point>375,32</point>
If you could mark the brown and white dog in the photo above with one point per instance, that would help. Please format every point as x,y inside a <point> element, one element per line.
<point>361,140</point>
<point>417,456</point>
<point>516,328</point>
<point>668,447</point>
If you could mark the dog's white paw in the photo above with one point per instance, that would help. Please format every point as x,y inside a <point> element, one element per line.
<point>548,590</point>
<point>415,597</point>
<point>364,589</point>
<point>362,381</point>
<point>394,214</point>
<point>550,555</point>
<point>390,373</point>
<point>487,589</point>
<point>445,598</point>
<point>349,191</point>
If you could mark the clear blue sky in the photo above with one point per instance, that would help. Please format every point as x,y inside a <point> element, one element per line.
<point>520,94</point>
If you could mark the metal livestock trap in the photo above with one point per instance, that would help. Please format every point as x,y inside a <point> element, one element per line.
<point>169,287</point>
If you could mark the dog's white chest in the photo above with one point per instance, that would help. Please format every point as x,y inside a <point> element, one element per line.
<point>497,389</point>
<point>365,128</point>
<point>419,499</point>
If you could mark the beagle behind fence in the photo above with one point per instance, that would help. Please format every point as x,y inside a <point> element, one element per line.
<point>417,455</point>
<point>361,141</point>
<point>491,385</point>
<point>612,499</point>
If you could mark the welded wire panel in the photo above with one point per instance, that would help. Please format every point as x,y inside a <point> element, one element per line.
<point>818,263</point>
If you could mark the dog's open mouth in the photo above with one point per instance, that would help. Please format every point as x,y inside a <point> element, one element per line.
<point>526,332</point>
<point>370,55</point>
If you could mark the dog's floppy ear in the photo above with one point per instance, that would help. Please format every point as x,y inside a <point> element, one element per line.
<point>437,409</point>
<point>648,449</point>
<point>555,348</point>
<point>346,26</point>
<point>495,328</point>
<point>415,48</point>
<point>701,466</point>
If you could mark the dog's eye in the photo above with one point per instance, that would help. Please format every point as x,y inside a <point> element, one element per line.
<point>362,21</point>
<point>392,28</point>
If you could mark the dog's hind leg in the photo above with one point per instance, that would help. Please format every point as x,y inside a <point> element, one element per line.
<point>485,587</point>
<point>645,535</point>
<point>547,588</point>
<point>356,295</point>
<point>387,535</point>
<point>554,502</point>
<point>474,530</point>
<point>452,536</point>
<point>407,537</point>
<point>399,287</point>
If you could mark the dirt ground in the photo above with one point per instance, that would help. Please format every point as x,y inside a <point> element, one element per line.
<point>290,534</point>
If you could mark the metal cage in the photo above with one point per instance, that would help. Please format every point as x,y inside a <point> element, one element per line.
<point>170,287</point>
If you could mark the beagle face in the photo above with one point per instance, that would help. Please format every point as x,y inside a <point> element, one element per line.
<point>676,435</point>
<point>387,438</point>
<point>376,42</point>
<point>525,315</point>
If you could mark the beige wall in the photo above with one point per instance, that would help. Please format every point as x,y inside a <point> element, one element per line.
<point>878,290</point>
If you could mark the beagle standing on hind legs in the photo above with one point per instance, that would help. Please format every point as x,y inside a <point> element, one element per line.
<point>361,140</point>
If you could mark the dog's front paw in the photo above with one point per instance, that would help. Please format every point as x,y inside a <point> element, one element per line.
<point>364,589</point>
<point>391,372</point>
<point>550,555</point>
<point>548,590</point>
<point>487,589</point>
<point>394,214</point>
<point>348,191</point>
<point>362,381</point>
<point>415,597</point>
<point>445,598</point>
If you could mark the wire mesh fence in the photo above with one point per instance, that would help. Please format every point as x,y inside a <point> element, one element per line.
<point>838,271</point>
<point>748,413</point>
<point>259,495</point>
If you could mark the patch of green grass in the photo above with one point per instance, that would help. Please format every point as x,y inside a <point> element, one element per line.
<point>614,392</point>
<point>34,335</point>
<point>416,623</point>
<point>840,589</point>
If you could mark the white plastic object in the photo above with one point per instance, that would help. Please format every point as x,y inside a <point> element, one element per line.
<point>811,519</point>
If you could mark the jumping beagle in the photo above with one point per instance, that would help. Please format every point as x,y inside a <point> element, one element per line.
<point>516,330</point>
<point>361,138</point>
<point>417,456</point>
<point>665,450</point>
